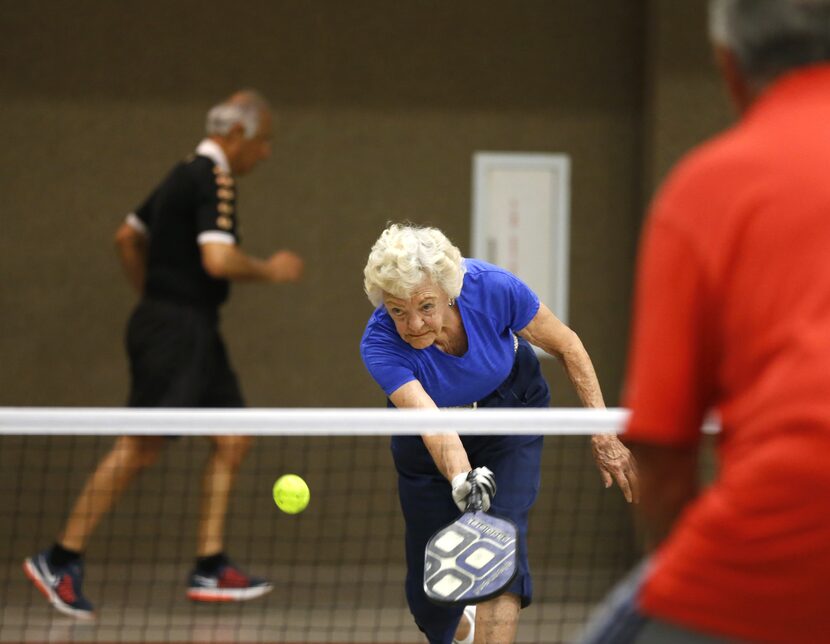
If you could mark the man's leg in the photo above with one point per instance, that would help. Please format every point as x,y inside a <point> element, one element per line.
<point>58,571</point>
<point>216,578</point>
<point>227,453</point>
<point>128,457</point>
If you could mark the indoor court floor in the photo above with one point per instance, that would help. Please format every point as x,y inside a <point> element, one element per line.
<point>147,604</point>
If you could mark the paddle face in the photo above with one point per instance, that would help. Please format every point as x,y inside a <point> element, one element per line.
<point>471,560</point>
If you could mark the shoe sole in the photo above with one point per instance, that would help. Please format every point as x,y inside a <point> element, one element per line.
<point>227,594</point>
<point>46,590</point>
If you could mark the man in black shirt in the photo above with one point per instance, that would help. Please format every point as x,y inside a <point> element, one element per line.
<point>180,250</point>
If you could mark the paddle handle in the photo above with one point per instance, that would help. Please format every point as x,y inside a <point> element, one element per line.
<point>474,503</point>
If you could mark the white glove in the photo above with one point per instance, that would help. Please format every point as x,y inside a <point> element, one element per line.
<point>461,487</point>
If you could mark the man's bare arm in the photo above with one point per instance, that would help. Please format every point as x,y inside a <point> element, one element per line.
<point>668,482</point>
<point>131,245</point>
<point>228,261</point>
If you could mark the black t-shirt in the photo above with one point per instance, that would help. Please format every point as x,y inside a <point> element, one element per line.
<point>195,202</point>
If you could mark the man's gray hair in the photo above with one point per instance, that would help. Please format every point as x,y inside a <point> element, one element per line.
<point>243,108</point>
<point>771,37</point>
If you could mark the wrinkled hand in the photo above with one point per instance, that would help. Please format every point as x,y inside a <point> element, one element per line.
<point>285,266</point>
<point>461,487</point>
<point>616,463</point>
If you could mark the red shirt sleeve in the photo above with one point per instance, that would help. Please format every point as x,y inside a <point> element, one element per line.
<point>669,371</point>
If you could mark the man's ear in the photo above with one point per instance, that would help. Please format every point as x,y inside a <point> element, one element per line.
<point>739,89</point>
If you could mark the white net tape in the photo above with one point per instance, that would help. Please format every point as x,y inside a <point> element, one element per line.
<point>317,422</point>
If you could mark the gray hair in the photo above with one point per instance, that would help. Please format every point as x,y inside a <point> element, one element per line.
<point>243,108</point>
<point>404,256</point>
<point>771,37</point>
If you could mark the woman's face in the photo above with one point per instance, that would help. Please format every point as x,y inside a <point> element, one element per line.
<point>420,318</point>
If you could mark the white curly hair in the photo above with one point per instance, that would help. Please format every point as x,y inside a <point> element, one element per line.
<point>404,256</point>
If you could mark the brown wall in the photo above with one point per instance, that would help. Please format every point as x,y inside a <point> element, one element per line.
<point>685,99</point>
<point>381,107</point>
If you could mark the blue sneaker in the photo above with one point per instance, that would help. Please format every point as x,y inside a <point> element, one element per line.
<point>228,584</point>
<point>61,586</point>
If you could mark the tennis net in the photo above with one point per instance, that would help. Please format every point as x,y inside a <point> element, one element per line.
<point>337,568</point>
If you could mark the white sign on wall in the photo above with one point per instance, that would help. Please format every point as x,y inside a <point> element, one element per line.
<point>521,220</point>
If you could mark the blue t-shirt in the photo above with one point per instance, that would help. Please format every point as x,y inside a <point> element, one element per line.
<point>493,304</point>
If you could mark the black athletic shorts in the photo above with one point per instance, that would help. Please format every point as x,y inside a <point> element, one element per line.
<point>178,358</point>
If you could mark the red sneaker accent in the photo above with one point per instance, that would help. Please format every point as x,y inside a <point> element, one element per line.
<point>232,578</point>
<point>65,590</point>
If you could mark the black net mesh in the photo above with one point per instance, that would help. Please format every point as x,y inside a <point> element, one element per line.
<point>337,567</point>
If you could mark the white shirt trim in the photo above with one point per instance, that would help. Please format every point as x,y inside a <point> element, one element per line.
<point>216,237</point>
<point>211,149</point>
<point>136,224</point>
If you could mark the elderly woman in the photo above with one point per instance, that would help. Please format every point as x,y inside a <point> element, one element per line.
<point>449,332</point>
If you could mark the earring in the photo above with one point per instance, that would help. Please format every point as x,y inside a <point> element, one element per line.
<point>451,301</point>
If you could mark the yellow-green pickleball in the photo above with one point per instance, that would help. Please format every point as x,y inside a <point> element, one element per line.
<point>291,494</point>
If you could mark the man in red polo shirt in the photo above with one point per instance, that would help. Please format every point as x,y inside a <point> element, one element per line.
<point>732,315</point>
